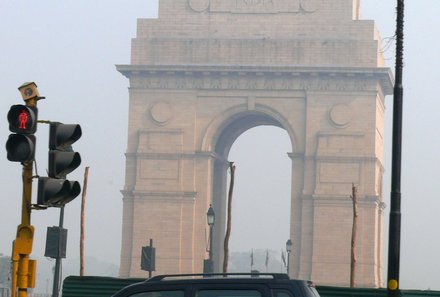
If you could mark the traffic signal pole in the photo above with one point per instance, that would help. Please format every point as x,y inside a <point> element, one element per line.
<point>23,276</point>
<point>23,269</point>
<point>14,271</point>
<point>25,231</point>
<point>53,191</point>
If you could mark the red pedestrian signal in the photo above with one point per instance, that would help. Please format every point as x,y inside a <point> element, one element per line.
<point>22,119</point>
<point>20,146</point>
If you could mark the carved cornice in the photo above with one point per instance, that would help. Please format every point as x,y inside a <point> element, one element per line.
<point>344,159</point>
<point>151,195</point>
<point>364,200</point>
<point>176,156</point>
<point>296,156</point>
<point>255,6</point>
<point>199,77</point>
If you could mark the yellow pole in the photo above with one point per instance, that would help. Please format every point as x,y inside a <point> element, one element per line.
<point>27,193</point>
<point>23,274</point>
<point>14,271</point>
<point>22,245</point>
<point>23,232</point>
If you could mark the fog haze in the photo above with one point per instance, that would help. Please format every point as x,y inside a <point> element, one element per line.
<point>69,48</point>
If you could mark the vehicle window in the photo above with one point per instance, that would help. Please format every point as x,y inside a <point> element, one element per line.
<point>314,292</point>
<point>309,290</point>
<point>282,293</point>
<point>228,293</point>
<point>159,294</point>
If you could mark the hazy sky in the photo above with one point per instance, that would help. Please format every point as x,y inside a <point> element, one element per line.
<point>69,48</point>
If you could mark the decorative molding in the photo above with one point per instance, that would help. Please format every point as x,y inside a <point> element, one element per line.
<point>296,156</point>
<point>252,81</point>
<point>127,194</point>
<point>255,6</point>
<point>258,78</point>
<point>163,196</point>
<point>364,201</point>
<point>211,155</point>
<point>353,158</point>
<point>176,156</point>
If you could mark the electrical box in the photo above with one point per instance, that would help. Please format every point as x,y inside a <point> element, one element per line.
<point>56,242</point>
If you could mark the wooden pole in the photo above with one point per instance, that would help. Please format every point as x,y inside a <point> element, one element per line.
<point>83,203</point>
<point>353,237</point>
<point>228,225</point>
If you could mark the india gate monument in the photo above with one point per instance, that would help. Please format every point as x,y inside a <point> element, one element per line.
<point>204,72</point>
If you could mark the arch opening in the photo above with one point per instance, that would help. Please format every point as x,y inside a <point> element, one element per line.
<point>258,145</point>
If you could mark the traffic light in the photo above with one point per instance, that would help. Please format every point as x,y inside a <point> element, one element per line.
<point>62,159</point>
<point>55,190</point>
<point>20,146</point>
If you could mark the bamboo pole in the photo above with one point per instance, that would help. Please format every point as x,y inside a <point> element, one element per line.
<point>228,224</point>
<point>353,237</point>
<point>83,203</point>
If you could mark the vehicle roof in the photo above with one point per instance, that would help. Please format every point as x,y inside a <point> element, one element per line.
<point>219,281</point>
<point>220,278</point>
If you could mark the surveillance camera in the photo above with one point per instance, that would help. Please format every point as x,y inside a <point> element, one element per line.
<point>29,91</point>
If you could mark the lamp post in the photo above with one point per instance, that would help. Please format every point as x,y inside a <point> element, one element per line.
<point>288,250</point>
<point>210,216</point>
<point>395,199</point>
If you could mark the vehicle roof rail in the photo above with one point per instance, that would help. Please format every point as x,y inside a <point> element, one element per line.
<point>239,274</point>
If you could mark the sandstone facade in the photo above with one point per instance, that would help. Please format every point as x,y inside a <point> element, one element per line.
<point>206,71</point>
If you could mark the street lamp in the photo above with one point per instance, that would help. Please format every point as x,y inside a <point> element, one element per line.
<point>210,217</point>
<point>288,250</point>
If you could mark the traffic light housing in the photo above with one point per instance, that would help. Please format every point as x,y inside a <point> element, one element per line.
<point>62,159</point>
<point>55,190</point>
<point>20,146</point>
<point>22,119</point>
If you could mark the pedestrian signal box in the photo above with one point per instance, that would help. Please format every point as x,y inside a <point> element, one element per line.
<point>20,146</point>
<point>22,119</point>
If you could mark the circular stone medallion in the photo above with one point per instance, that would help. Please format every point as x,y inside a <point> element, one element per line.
<point>340,115</point>
<point>252,2</point>
<point>161,112</point>
<point>199,5</point>
<point>310,5</point>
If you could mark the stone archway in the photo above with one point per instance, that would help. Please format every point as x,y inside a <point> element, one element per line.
<point>205,72</point>
<point>231,127</point>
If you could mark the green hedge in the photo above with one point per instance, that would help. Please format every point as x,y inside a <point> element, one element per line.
<point>95,286</point>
